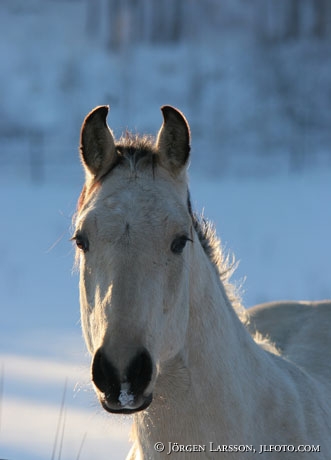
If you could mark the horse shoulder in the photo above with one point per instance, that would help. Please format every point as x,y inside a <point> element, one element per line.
<point>299,330</point>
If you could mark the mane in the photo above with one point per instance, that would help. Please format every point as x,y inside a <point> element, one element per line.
<point>133,144</point>
<point>224,262</point>
<point>225,265</point>
<point>139,151</point>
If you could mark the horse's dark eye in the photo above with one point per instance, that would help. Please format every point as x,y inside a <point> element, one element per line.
<point>179,243</point>
<point>81,242</point>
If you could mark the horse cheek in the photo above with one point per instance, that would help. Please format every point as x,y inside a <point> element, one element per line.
<point>176,313</point>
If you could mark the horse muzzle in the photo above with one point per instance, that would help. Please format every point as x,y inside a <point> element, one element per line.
<point>126,393</point>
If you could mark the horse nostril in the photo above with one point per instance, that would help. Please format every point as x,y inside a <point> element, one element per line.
<point>123,392</point>
<point>104,375</point>
<point>139,372</point>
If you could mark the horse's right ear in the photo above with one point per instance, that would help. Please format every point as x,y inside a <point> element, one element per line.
<point>173,141</point>
<point>97,145</point>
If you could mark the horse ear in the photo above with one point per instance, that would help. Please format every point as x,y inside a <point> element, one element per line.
<point>173,140</point>
<point>97,145</point>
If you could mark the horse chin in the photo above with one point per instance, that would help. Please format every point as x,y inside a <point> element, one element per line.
<point>143,403</point>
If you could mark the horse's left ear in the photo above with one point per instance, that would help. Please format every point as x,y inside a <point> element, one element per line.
<point>173,140</point>
<point>97,145</point>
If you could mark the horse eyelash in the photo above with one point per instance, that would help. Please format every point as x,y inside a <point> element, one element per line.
<point>187,238</point>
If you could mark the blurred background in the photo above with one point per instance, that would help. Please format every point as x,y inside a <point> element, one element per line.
<point>254,81</point>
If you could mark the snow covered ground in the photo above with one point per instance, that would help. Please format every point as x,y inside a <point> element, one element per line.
<point>278,227</point>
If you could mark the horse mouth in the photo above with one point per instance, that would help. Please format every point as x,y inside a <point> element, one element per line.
<point>130,408</point>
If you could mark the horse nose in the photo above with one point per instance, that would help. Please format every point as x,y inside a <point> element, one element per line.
<point>123,393</point>
<point>139,372</point>
<point>104,374</point>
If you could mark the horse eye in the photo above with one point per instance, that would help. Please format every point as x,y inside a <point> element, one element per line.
<point>179,243</point>
<point>81,242</point>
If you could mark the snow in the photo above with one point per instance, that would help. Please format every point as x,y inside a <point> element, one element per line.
<point>30,428</point>
<point>270,205</point>
<point>125,398</point>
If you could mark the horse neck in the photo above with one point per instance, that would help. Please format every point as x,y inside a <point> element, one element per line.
<point>222,379</point>
<point>211,371</point>
<point>221,352</point>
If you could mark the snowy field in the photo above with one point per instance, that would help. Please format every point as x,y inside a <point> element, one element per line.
<point>279,229</point>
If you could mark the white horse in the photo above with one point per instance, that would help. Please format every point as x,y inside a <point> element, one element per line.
<point>169,341</point>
